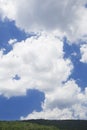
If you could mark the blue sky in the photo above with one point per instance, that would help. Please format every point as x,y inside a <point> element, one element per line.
<point>80,69</point>
<point>43,64</point>
<point>13,108</point>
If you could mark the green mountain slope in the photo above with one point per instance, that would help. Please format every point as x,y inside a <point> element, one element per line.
<point>17,125</point>
<point>44,125</point>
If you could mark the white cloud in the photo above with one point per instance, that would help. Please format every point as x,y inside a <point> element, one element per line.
<point>7,9</point>
<point>50,114</point>
<point>40,64</point>
<point>38,61</point>
<point>67,102</point>
<point>83,50</point>
<point>12,41</point>
<point>68,16</point>
<point>64,96</point>
<point>75,112</point>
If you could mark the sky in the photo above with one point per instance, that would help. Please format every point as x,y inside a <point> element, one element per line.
<point>43,59</point>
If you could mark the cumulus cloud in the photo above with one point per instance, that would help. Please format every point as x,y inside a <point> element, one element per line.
<point>50,114</point>
<point>38,61</point>
<point>67,16</point>
<point>7,9</point>
<point>83,50</point>
<point>61,97</point>
<point>40,64</point>
<point>12,41</point>
<point>75,112</point>
<point>67,102</point>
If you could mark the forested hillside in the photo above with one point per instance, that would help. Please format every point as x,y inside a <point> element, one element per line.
<point>44,125</point>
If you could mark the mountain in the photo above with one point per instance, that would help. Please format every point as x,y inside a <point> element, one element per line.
<point>44,125</point>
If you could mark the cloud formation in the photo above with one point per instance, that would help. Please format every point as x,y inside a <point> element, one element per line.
<point>67,102</point>
<point>39,60</point>
<point>83,50</point>
<point>67,16</point>
<point>75,112</point>
<point>39,63</point>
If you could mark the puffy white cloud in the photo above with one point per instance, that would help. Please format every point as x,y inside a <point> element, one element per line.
<point>67,102</point>
<point>39,63</point>
<point>12,41</point>
<point>68,16</point>
<point>83,50</point>
<point>50,114</point>
<point>39,60</point>
<point>64,96</point>
<point>7,9</point>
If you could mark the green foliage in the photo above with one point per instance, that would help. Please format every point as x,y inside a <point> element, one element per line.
<point>44,125</point>
<point>17,125</point>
